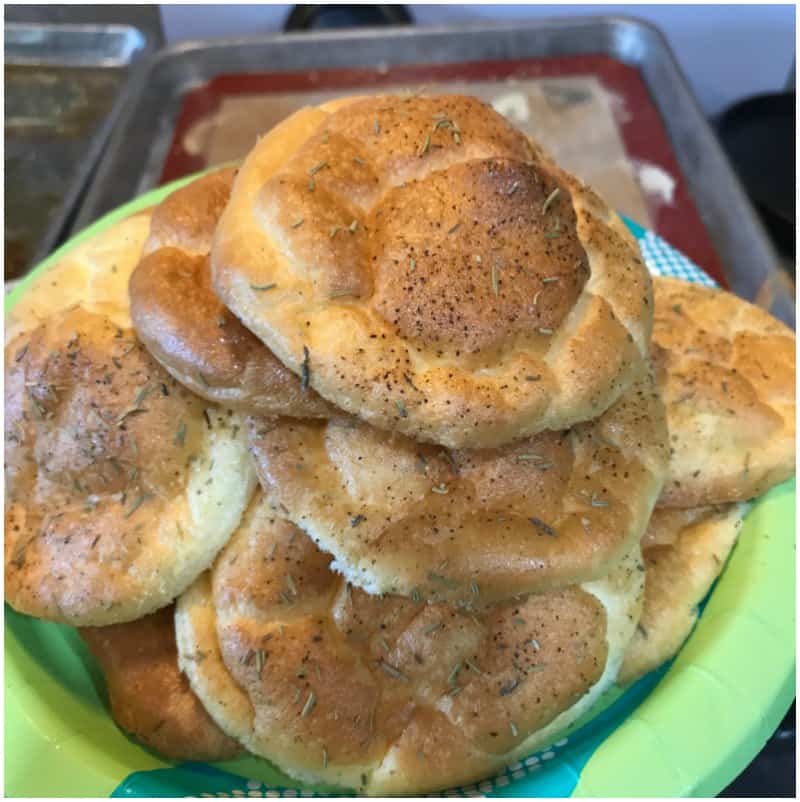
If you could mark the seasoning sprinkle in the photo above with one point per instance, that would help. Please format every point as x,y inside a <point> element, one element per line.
<point>21,353</point>
<point>453,675</point>
<point>317,167</point>
<point>474,589</point>
<point>180,435</point>
<point>259,661</point>
<point>518,621</point>
<point>384,644</point>
<point>425,147</point>
<point>543,527</point>
<point>495,281</point>
<point>309,705</point>
<point>454,228</point>
<point>513,188</point>
<point>262,287</point>
<point>550,198</point>
<point>478,258</point>
<point>412,264</point>
<point>334,231</point>
<point>305,370</point>
<point>514,731</point>
<point>393,672</point>
<point>297,223</point>
<point>536,297</point>
<point>440,489</point>
<point>353,226</point>
<point>472,667</point>
<point>359,161</point>
<point>291,584</point>
<point>117,363</point>
<point>509,687</point>
<point>544,331</point>
<point>401,408</point>
<point>535,644</point>
<point>140,499</point>
<point>642,631</point>
<point>324,758</point>
<point>550,279</point>
<point>377,128</point>
<point>529,458</point>
<point>597,502</point>
<point>431,628</point>
<point>355,520</point>
<point>415,595</point>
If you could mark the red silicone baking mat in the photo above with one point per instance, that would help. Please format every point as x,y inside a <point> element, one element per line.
<point>592,112</point>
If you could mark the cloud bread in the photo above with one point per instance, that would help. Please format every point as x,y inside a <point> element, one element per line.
<point>188,329</point>
<point>726,371</point>
<point>383,694</point>
<point>402,517</point>
<point>94,274</point>
<point>434,272</point>
<point>121,486</point>
<point>684,552</point>
<point>149,696</point>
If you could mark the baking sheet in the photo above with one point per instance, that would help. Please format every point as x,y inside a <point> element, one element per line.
<point>664,132</point>
<point>62,83</point>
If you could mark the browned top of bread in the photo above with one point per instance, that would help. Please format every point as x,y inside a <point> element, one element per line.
<point>424,252</point>
<point>726,370</point>
<point>188,329</point>
<point>149,696</point>
<point>340,684</point>
<point>403,517</point>
<point>107,459</point>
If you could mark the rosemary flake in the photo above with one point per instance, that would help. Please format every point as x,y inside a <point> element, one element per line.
<point>474,589</point>
<point>355,520</point>
<point>21,353</point>
<point>549,200</point>
<point>452,677</point>
<point>513,188</point>
<point>431,628</point>
<point>543,527</point>
<point>140,499</point>
<point>440,489</point>
<point>550,279</point>
<point>317,167</point>
<point>309,705</point>
<point>535,644</point>
<point>259,661</point>
<point>415,597</point>
<point>495,281</point>
<point>425,147</point>
<point>299,222</point>
<point>412,264</point>
<point>401,408</point>
<point>353,226</point>
<point>384,644</point>
<point>180,435</point>
<point>305,370</point>
<point>544,331</point>
<point>392,671</point>
<point>291,585</point>
<point>513,727</point>
<point>262,287</point>
<point>454,228</point>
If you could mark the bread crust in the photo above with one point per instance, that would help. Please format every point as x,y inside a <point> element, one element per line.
<point>435,273</point>
<point>726,371</point>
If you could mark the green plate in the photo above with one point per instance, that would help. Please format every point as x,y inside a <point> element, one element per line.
<point>685,730</point>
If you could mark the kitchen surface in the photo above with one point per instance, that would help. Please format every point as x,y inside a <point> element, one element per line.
<point>104,103</point>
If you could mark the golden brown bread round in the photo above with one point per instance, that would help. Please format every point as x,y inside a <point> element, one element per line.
<point>433,272</point>
<point>403,517</point>
<point>337,686</point>
<point>681,561</point>
<point>149,696</point>
<point>93,274</point>
<point>726,371</point>
<point>188,329</point>
<point>121,486</point>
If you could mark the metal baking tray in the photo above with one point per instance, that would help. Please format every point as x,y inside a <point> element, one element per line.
<point>63,91</point>
<point>139,145</point>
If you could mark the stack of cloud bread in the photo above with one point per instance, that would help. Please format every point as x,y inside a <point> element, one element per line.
<point>430,348</point>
